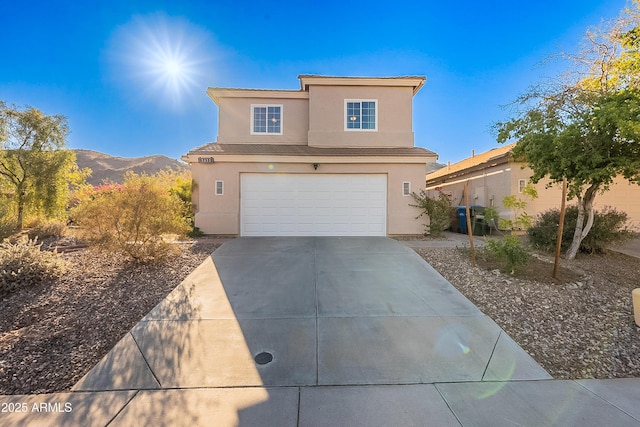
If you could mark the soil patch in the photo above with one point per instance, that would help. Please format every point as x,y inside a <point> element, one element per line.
<point>53,333</point>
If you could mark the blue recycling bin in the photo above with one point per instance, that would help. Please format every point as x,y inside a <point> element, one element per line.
<point>462,218</point>
<point>476,212</point>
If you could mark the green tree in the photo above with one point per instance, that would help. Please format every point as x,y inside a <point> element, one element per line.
<point>586,128</point>
<point>34,167</point>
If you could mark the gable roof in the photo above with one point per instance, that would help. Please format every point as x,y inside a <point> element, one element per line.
<point>482,160</point>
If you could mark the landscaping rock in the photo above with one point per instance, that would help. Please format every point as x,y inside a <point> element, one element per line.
<point>578,327</point>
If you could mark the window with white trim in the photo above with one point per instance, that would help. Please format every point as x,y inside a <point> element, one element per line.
<point>361,114</point>
<point>521,184</point>
<point>406,188</point>
<point>219,188</point>
<point>266,119</point>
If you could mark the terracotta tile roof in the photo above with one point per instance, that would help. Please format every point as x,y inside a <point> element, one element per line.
<point>477,160</point>
<point>305,150</point>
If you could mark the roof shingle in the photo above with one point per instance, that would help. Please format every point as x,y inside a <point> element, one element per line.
<point>305,150</point>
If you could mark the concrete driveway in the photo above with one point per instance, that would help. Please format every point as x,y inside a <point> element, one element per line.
<point>328,331</point>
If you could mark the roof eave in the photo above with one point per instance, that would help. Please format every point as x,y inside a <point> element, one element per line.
<point>216,93</point>
<point>440,178</point>
<point>416,82</point>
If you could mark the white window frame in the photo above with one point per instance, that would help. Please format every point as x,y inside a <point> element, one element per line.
<point>266,132</point>
<point>346,117</point>
<point>221,193</point>
<point>521,184</point>
<point>406,188</point>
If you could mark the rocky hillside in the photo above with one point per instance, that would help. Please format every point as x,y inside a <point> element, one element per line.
<point>110,168</point>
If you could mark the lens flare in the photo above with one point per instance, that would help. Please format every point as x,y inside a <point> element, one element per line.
<point>161,57</point>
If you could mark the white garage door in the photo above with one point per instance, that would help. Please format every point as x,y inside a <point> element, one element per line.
<point>313,205</point>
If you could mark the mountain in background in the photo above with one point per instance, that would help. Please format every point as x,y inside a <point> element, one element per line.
<point>110,168</point>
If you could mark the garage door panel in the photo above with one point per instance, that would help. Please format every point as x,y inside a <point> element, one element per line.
<point>316,205</point>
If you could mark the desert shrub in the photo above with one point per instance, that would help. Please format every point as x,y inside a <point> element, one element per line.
<point>7,221</point>
<point>47,228</point>
<point>23,263</point>
<point>133,218</point>
<point>508,252</point>
<point>522,220</point>
<point>182,186</point>
<point>7,227</point>
<point>438,210</point>
<point>609,226</point>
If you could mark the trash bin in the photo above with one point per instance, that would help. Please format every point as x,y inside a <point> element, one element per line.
<point>478,224</point>
<point>462,219</point>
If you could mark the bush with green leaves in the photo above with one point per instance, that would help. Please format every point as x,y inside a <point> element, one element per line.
<point>522,220</point>
<point>133,218</point>
<point>437,209</point>
<point>23,263</point>
<point>182,185</point>
<point>609,227</point>
<point>508,252</point>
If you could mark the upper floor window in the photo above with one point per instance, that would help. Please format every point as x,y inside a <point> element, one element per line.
<point>266,119</point>
<point>361,114</point>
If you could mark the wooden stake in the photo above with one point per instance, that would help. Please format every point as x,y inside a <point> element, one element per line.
<point>560,227</point>
<point>469,230</point>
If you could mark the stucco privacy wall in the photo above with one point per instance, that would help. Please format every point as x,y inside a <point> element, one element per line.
<point>220,214</point>
<point>487,188</point>
<point>503,180</point>
<point>327,120</point>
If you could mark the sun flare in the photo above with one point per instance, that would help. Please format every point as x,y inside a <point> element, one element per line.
<point>161,55</point>
<point>173,68</point>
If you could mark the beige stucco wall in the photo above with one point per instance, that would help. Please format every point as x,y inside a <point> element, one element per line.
<point>327,117</point>
<point>235,121</point>
<point>221,214</point>
<point>486,188</point>
<point>622,195</point>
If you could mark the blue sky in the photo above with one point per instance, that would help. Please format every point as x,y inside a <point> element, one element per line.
<point>131,75</point>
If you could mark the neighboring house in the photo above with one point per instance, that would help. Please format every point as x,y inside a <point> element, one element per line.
<point>335,158</point>
<point>494,174</point>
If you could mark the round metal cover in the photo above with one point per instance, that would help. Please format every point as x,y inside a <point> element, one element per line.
<point>263,358</point>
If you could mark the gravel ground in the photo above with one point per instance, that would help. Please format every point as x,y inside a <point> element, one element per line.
<point>580,326</point>
<point>53,333</point>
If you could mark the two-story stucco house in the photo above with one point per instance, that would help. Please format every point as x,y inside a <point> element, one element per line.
<point>335,158</point>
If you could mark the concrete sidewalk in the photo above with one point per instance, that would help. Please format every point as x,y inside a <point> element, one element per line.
<point>631,248</point>
<point>354,331</point>
<point>448,240</point>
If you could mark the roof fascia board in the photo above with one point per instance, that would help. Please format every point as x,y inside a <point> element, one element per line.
<point>257,158</point>
<point>468,171</point>
<point>443,173</point>
<point>416,82</point>
<point>217,93</point>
